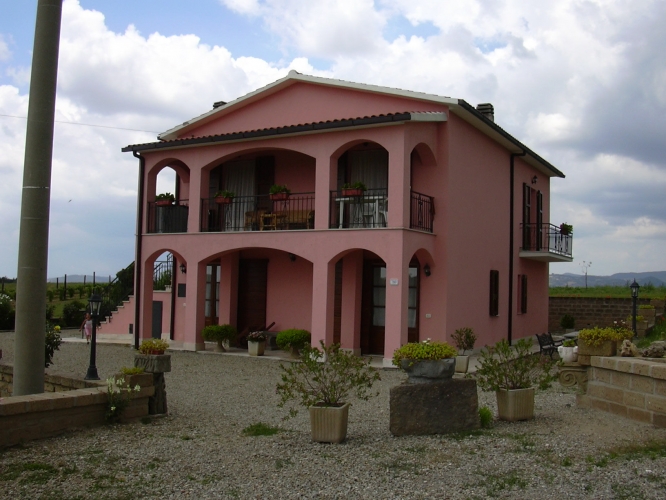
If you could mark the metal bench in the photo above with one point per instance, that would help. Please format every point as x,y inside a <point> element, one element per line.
<point>548,345</point>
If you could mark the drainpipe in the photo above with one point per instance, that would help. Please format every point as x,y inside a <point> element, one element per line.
<point>137,256</point>
<point>509,336</point>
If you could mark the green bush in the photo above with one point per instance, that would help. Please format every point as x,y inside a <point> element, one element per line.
<point>50,295</point>
<point>293,338</point>
<point>52,344</point>
<point>425,350</point>
<point>567,322</point>
<point>219,333</point>
<point>73,313</point>
<point>597,336</point>
<point>7,313</point>
<point>486,417</point>
<point>464,339</point>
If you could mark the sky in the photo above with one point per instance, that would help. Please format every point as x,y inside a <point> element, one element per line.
<point>580,82</point>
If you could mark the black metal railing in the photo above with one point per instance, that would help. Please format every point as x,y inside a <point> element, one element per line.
<point>168,218</point>
<point>546,238</point>
<point>366,209</point>
<point>421,212</point>
<point>258,213</point>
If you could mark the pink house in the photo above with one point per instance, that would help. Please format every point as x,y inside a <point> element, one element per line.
<point>452,230</point>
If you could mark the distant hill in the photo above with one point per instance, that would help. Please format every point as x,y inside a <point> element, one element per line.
<point>657,278</point>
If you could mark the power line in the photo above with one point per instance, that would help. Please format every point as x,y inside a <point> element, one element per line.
<point>87,124</point>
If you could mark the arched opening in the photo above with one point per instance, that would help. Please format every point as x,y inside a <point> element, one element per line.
<point>168,197</point>
<point>361,197</point>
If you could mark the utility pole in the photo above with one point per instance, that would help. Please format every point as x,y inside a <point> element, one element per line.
<point>584,267</point>
<point>35,203</point>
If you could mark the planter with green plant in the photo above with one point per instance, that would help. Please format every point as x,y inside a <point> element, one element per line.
<point>567,323</point>
<point>256,343</point>
<point>153,346</point>
<point>322,382</point>
<point>426,361</point>
<point>513,372</point>
<point>222,334</point>
<point>224,197</point>
<point>464,339</point>
<point>293,340</point>
<point>566,229</point>
<point>164,199</point>
<point>602,341</point>
<point>568,351</point>
<point>354,189</point>
<point>279,192</point>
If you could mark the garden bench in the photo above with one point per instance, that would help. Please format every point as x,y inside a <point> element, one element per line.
<point>547,344</point>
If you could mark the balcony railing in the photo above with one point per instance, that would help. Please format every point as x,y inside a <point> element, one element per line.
<point>368,209</point>
<point>546,238</point>
<point>422,212</point>
<point>169,218</point>
<point>258,213</point>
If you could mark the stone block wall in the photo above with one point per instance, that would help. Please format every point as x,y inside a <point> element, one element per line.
<point>52,383</point>
<point>25,418</point>
<point>630,387</point>
<point>590,312</point>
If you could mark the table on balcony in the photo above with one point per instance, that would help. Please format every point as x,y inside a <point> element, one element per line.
<point>356,207</point>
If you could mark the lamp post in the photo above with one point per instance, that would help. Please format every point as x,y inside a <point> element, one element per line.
<point>634,298</point>
<point>94,303</point>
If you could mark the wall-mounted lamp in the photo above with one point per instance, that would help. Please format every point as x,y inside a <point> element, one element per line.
<point>292,257</point>
<point>183,269</point>
<point>534,179</point>
<point>426,270</point>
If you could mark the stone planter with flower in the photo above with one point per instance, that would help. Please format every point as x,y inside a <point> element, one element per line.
<point>256,343</point>
<point>601,341</point>
<point>427,361</point>
<point>464,339</point>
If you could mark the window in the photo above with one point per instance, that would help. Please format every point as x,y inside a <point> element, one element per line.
<point>494,292</point>
<point>522,293</point>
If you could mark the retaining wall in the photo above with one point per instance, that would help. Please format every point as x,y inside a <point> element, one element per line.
<point>72,403</point>
<point>590,312</point>
<point>630,387</point>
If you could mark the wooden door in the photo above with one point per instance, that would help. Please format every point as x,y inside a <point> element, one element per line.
<point>156,332</point>
<point>373,308</point>
<point>252,283</point>
<point>212,305</point>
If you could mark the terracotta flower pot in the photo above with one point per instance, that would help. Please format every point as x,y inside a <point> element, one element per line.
<point>352,192</point>
<point>163,203</point>
<point>223,200</point>
<point>279,196</point>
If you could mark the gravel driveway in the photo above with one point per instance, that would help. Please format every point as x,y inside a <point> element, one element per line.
<point>199,450</point>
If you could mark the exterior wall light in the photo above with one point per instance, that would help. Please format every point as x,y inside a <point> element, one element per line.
<point>292,257</point>
<point>183,269</point>
<point>426,270</point>
<point>534,179</point>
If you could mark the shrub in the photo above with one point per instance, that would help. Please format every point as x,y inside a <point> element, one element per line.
<point>597,336</point>
<point>646,306</point>
<point>639,318</point>
<point>278,188</point>
<point>486,417</point>
<point>219,333</point>
<point>52,344</point>
<point>293,338</point>
<point>507,367</point>
<point>119,394</point>
<point>149,346</point>
<point>50,295</point>
<point>464,339</point>
<point>134,370</point>
<point>7,313</point>
<point>425,350</point>
<point>325,377</point>
<point>569,343</point>
<point>72,313</point>
<point>567,322</point>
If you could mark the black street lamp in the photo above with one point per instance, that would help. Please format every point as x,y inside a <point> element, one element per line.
<point>634,297</point>
<point>94,302</point>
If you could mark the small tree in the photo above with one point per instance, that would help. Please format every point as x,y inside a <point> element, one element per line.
<point>464,339</point>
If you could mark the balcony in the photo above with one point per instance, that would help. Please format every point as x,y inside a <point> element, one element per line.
<point>258,213</point>
<point>168,218</point>
<point>369,209</point>
<point>545,243</point>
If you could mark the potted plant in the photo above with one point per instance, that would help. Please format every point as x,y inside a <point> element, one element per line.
<point>566,229</point>
<point>153,346</point>
<point>256,343</point>
<point>602,341</point>
<point>220,334</point>
<point>568,351</point>
<point>224,197</point>
<point>323,382</point>
<point>164,199</point>
<point>464,339</point>
<point>355,189</point>
<point>293,340</point>
<point>279,192</point>
<point>426,361</point>
<point>513,373</point>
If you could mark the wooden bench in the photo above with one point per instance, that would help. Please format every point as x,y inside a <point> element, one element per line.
<point>548,345</point>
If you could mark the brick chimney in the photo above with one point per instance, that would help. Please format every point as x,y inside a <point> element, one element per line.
<point>487,110</point>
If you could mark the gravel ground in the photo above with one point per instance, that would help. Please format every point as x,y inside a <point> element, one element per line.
<point>199,450</point>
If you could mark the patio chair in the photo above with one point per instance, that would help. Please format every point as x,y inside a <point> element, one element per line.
<point>548,345</point>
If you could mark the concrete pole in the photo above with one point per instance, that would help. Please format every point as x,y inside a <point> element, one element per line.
<point>35,202</point>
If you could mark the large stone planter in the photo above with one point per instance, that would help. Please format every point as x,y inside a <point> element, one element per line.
<point>428,370</point>
<point>607,348</point>
<point>515,404</point>
<point>328,424</point>
<point>256,348</point>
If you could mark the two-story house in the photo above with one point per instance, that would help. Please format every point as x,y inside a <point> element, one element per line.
<point>453,228</point>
